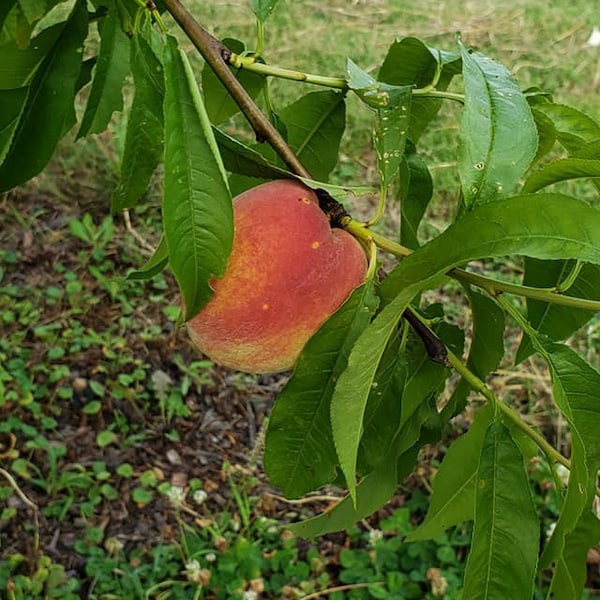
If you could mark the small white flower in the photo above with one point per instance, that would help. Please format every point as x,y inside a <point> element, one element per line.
<point>200,497</point>
<point>211,557</point>
<point>374,536</point>
<point>550,530</point>
<point>176,494</point>
<point>192,568</point>
<point>250,595</point>
<point>594,39</point>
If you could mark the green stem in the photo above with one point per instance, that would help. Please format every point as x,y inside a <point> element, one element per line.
<point>427,93</point>
<point>215,53</point>
<point>492,286</point>
<point>495,287</point>
<point>569,280</point>
<point>510,414</point>
<point>250,63</point>
<point>260,37</point>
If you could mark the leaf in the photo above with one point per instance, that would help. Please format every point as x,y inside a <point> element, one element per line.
<point>12,104</point>
<point>218,101</point>
<point>33,10</point>
<point>573,127</point>
<point>561,170</point>
<point>48,104</point>
<point>5,8</point>
<point>299,451</point>
<point>239,158</point>
<point>539,225</point>
<point>372,492</point>
<point>197,211</point>
<point>570,573</point>
<point>410,62</point>
<point>452,499</point>
<point>144,141</point>
<point>155,264</point>
<point>315,124</point>
<point>546,134</point>
<point>112,65</point>
<point>416,191</point>
<point>19,64</point>
<point>487,347</point>
<point>377,487</point>
<point>263,8</point>
<point>575,385</point>
<point>557,322</point>
<point>498,134</point>
<point>390,134</point>
<point>504,548</point>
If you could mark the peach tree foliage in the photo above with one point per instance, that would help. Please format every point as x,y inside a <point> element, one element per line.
<point>362,400</point>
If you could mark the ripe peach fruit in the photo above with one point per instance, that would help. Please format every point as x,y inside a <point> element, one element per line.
<point>287,273</point>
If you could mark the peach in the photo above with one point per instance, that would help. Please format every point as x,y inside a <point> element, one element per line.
<point>287,273</point>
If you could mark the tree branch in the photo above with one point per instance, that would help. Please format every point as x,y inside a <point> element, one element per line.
<point>216,54</point>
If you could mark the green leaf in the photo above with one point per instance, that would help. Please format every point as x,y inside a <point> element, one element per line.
<point>546,134</point>
<point>402,395</point>
<point>106,95</point>
<point>315,124</point>
<point>575,386</point>
<point>220,106</point>
<point>573,127</point>
<point>299,451</point>
<point>12,104</point>
<point>378,486</point>
<point>498,134</point>
<point>557,322</point>
<point>144,138</point>
<point>49,104</point>
<point>410,62</point>
<point>19,64</point>
<point>570,573</point>
<point>372,492</point>
<point>416,191</point>
<point>487,347</point>
<point>561,170</point>
<point>33,10</point>
<point>155,264</point>
<point>5,8</point>
<point>241,159</point>
<point>197,211</point>
<point>539,225</point>
<point>390,134</point>
<point>452,499</point>
<point>263,8</point>
<point>504,549</point>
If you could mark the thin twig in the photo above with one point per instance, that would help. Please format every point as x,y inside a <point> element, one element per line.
<point>32,505</point>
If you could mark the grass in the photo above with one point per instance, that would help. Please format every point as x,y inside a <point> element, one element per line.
<point>135,455</point>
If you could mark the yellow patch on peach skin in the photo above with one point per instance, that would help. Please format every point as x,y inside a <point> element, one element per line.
<point>307,200</point>
<point>265,306</point>
<point>315,245</point>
